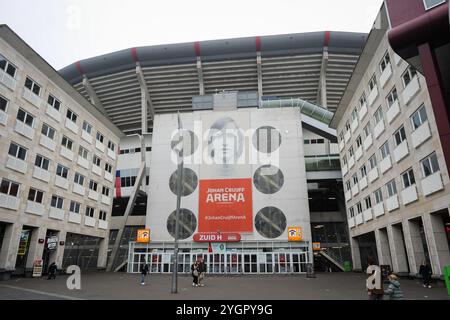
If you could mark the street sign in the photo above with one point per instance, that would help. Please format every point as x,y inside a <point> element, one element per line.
<point>217,237</point>
<point>143,236</point>
<point>295,234</point>
<point>316,246</point>
<point>37,268</point>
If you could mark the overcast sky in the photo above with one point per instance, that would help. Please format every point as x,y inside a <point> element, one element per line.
<point>65,31</point>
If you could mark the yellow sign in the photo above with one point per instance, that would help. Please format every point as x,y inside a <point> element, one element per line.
<point>143,235</point>
<point>295,234</point>
<point>316,246</point>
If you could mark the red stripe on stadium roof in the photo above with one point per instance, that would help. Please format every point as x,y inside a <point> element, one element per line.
<point>327,38</point>
<point>134,55</point>
<point>258,43</point>
<point>197,49</point>
<point>78,65</point>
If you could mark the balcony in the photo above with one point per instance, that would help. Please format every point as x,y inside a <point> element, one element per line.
<point>62,182</point>
<point>106,200</point>
<point>392,203</point>
<point>71,126</point>
<point>367,214</point>
<point>363,183</point>
<point>93,195</point>
<point>341,145</point>
<point>47,142</point>
<point>348,195</point>
<point>89,221</point>
<point>401,151</point>
<point>9,202</point>
<point>100,146</point>
<point>31,97</point>
<point>373,174</point>
<point>421,134</point>
<point>344,170</point>
<point>41,174</point>
<point>379,128</point>
<point>378,210</point>
<point>367,142</point>
<point>372,96</point>
<point>52,112</point>
<point>66,153</point>
<point>354,125</point>
<point>16,164</point>
<point>362,112</point>
<point>385,75</point>
<point>79,189</point>
<point>3,117</point>
<point>74,217</point>
<point>385,164</point>
<point>109,177</point>
<point>111,154</point>
<point>359,153</point>
<point>102,224</point>
<point>432,183</point>
<point>411,90</point>
<point>83,162</point>
<point>56,213</point>
<point>97,170</point>
<point>24,130</point>
<point>355,190</point>
<point>351,222</point>
<point>351,162</point>
<point>359,219</point>
<point>409,195</point>
<point>393,112</point>
<point>35,208</point>
<point>7,80</point>
<point>86,136</point>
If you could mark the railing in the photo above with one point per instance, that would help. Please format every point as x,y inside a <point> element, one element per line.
<point>322,163</point>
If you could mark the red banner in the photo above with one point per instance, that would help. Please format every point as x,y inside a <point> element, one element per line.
<point>225,205</point>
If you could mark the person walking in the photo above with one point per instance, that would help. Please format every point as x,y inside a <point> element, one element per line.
<point>374,294</point>
<point>394,291</point>
<point>425,272</point>
<point>144,271</point>
<point>52,271</point>
<point>202,271</point>
<point>195,273</point>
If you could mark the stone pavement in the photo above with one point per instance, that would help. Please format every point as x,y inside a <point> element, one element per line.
<point>102,285</point>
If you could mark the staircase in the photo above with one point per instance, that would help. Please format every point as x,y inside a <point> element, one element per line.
<point>330,256</point>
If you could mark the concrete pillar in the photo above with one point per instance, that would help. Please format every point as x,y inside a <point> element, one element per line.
<point>437,242</point>
<point>414,245</point>
<point>398,253</point>
<point>356,256</point>
<point>383,250</point>
<point>57,257</point>
<point>259,72</point>
<point>201,86</point>
<point>102,253</point>
<point>8,252</point>
<point>36,249</point>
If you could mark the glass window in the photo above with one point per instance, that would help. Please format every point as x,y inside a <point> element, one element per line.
<point>89,212</point>
<point>99,137</point>
<point>363,171</point>
<point>93,185</point>
<point>82,152</point>
<point>367,131</point>
<point>9,188</point>
<point>79,178</point>
<point>66,142</point>
<point>400,136</point>
<point>71,116</point>
<point>52,101</point>
<point>105,191</point>
<point>102,215</point>
<point>33,86</point>
<point>359,207</point>
<point>3,103</point>
<point>391,187</point>
<point>430,165</point>
<point>6,66</point>
<point>17,151</point>
<point>372,83</point>
<point>385,62</point>
<point>87,127</point>
<point>419,117</point>
<point>111,146</point>
<point>408,178</point>
<point>25,117</point>
<point>108,167</point>
<point>354,114</point>
<point>378,196</point>
<point>350,151</point>
<point>74,207</point>
<point>362,100</point>
<point>352,212</point>
<point>348,185</point>
<point>359,141</point>
<point>62,171</point>
<point>392,97</point>
<point>432,3</point>
<point>48,131</point>
<point>373,162</point>
<point>384,150</point>
<point>57,202</point>
<point>368,202</point>
<point>42,162</point>
<point>96,161</point>
<point>378,115</point>
<point>408,75</point>
<point>35,195</point>
<point>355,179</point>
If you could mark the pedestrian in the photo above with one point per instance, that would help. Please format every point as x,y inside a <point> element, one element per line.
<point>202,270</point>
<point>144,271</point>
<point>376,293</point>
<point>394,291</point>
<point>52,271</point>
<point>425,272</point>
<point>195,273</point>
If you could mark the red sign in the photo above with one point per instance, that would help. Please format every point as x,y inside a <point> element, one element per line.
<point>225,205</point>
<point>217,237</point>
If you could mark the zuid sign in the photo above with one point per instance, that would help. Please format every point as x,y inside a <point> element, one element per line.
<point>217,237</point>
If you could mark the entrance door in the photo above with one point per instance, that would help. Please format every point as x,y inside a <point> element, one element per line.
<point>233,263</point>
<point>250,263</point>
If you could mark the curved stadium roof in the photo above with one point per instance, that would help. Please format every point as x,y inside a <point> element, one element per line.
<point>291,66</point>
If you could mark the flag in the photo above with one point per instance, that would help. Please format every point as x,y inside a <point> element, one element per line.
<point>209,247</point>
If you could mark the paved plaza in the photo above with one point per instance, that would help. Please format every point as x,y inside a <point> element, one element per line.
<point>101,285</point>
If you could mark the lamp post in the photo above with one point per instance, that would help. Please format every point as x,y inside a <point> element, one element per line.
<point>177,214</point>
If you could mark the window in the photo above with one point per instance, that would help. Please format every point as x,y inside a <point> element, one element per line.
<point>87,127</point>
<point>373,162</point>
<point>93,185</point>
<point>384,63</point>
<point>372,83</point>
<point>41,162</point>
<point>368,202</point>
<point>355,179</point>
<point>33,86</point>
<point>82,152</point>
<point>358,141</point>
<point>99,137</point>
<point>9,188</point>
<point>111,146</point>
<point>363,171</point>
<point>17,151</point>
<point>408,75</point>
<point>391,187</point>
<point>57,202</point>
<point>351,152</point>
<point>347,126</point>
<point>362,100</point>
<point>392,97</point>
<point>74,207</point>
<point>348,185</point>
<point>62,171</point>
<point>105,191</point>
<point>52,101</point>
<point>378,115</point>
<point>341,136</point>
<point>430,165</point>
<point>359,207</point>
<point>378,196</point>
<point>66,142</point>
<point>35,195</point>
<point>48,131</point>
<point>102,215</point>
<point>432,3</point>
<point>344,159</point>
<point>400,135</point>
<point>408,178</point>
<point>89,212</point>
<point>384,150</point>
<point>367,131</point>
<point>108,167</point>
<point>354,114</point>
<point>352,212</point>
<point>3,103</point>
<point>6,66</point>
<point>79,179</point>
<point>419,117</point>
<point>25,117</point>
<point>71,116</point>
<point>127,181</point>
<point>96,161</point>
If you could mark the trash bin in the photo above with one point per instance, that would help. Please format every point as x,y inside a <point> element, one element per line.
<point>347,266</point>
